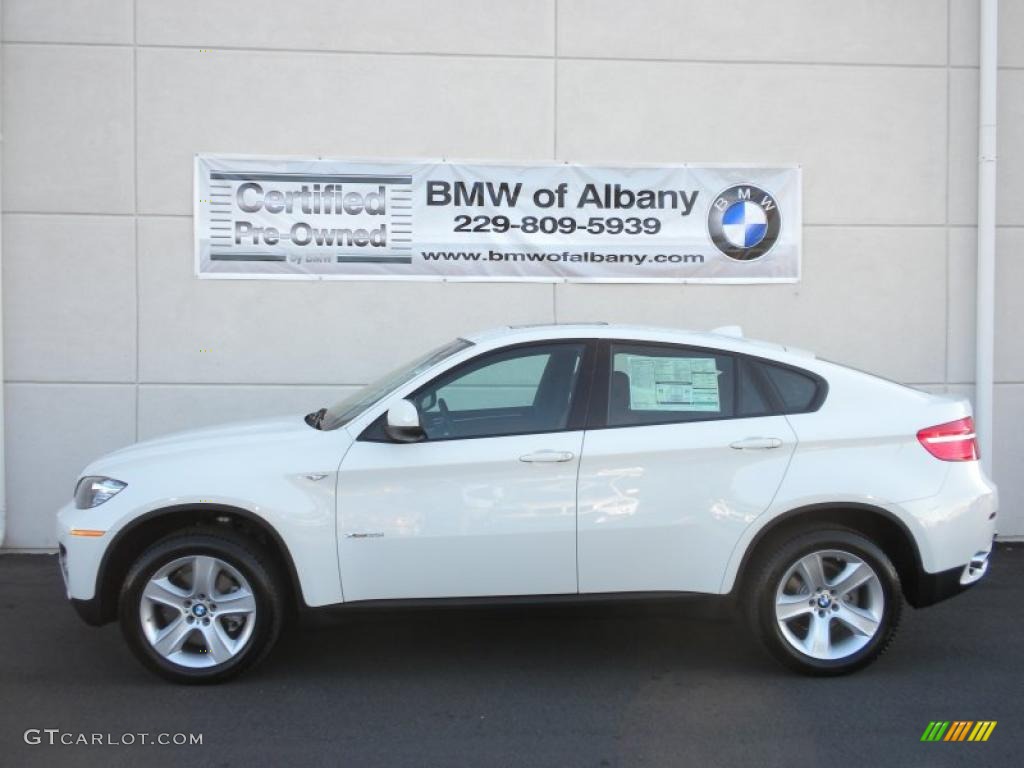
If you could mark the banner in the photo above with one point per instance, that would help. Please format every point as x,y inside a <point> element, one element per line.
<point>318,218</point>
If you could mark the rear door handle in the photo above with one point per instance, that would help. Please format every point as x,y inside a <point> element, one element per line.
<point>756,443</point>
<point>548,456</point>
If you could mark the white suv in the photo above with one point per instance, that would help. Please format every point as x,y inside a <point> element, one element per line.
<point>578,460</point>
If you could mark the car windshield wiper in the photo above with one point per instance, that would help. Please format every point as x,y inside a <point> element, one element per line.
<point>316,418</point>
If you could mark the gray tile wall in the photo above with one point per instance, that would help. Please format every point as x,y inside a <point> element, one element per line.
<point>109,338</point>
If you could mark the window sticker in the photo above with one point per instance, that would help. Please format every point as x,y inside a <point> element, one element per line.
<point>671,383</point>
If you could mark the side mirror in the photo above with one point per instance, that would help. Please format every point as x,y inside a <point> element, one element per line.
<point>402,423</point>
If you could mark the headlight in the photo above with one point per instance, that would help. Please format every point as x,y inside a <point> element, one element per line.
<point>93,491</point>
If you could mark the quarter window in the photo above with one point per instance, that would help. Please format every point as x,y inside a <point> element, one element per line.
<point>752,399</point>
<point>655,384</point>
<point>796,390</point>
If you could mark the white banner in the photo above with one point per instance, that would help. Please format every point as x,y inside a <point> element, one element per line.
<point>318,218</point>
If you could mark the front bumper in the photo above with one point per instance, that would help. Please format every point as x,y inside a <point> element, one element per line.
<point>81,555</point>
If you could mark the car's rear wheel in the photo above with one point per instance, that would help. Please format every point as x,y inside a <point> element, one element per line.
<point>201,607</point>
<point>825,603</point>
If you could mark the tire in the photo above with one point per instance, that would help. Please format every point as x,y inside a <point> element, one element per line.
<point>201,607</point>
<point>833,632</point>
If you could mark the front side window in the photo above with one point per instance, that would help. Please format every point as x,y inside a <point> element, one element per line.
<point>518,391</point>
<point>659,384</point>
<point>344,411</point>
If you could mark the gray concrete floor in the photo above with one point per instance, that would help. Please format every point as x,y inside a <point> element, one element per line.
<point>615,685</point>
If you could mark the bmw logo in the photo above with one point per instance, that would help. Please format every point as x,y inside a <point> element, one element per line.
<point>199,610</point>
<point>744,222</point>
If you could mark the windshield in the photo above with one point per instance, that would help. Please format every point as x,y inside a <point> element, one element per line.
<point>345,410</point>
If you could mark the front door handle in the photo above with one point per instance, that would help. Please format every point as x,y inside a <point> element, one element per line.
<point>548,456</point>
<point>756,443</point>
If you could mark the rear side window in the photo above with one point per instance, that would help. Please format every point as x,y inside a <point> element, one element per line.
<point>797,391</point>
<point>654,384</point>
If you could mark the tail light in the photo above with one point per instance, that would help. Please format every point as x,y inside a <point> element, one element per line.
<point>953,441</point>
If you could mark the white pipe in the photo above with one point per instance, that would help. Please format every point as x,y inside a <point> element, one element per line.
<point>985,305</point>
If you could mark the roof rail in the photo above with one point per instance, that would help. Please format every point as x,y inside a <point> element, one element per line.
<point>550,325</point>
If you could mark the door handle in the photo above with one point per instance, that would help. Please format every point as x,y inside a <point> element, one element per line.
<point>548,456</point>
<point>756,443</point>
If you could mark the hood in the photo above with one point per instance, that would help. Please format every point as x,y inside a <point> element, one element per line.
<point>211,441</point>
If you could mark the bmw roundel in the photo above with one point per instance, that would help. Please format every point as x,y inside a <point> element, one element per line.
<point>744,222</point>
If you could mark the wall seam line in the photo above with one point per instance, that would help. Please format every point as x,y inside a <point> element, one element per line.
<point>554,72</point>
<point>135,201</point>
<point>512,56</point>
<point>949,119</point>
<point>554,120</point>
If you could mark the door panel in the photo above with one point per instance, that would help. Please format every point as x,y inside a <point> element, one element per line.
<point>662,506</point>
<point>486,504</point>
<point>459,518</point>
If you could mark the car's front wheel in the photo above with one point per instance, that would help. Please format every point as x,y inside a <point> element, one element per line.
<point>825,603</point>
<point>201,607</point>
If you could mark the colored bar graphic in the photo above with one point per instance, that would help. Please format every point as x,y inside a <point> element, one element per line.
<point>958,730</point>
<point>982,730</point>
<point>935,730</point>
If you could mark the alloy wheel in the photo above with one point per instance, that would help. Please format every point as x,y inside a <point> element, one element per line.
<point>829,604</point>
<point>197,611</point>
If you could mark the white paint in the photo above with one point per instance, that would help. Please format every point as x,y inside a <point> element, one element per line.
<point>259,466</point>
<point>458,517</point>
<point>654,507</point>
<point>661,507</point>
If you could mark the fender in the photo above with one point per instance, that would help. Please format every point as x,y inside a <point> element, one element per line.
<point>116,560</point>
<point>756,533</point>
